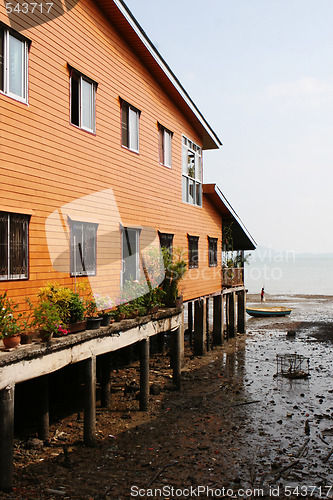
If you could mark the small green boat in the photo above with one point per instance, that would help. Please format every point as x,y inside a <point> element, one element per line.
<point>259,312</point>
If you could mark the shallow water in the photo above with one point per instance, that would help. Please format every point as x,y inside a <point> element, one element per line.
<point>275,426</point>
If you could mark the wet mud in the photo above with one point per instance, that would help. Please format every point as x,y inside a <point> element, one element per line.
<point>235,427</point>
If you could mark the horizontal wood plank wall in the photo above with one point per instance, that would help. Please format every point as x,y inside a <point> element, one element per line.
<point>47,164</point>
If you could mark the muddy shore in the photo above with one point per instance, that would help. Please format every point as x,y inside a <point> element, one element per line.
<point>233,426</point>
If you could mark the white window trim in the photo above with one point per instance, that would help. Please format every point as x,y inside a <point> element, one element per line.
<point>197,151</point>
<point>93,107</point>
<point>24,83</point>
<point>166,134</point>
<point>131,139</point>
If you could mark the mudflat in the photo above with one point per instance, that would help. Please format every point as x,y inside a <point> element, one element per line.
<point>234,431</point>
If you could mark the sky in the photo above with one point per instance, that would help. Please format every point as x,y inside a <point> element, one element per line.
<point>261,73</point>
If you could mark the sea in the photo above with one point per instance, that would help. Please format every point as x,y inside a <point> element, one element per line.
<point>289,273</point>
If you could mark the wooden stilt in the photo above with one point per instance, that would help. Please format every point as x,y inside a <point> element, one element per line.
<point>160,340</point>
<point>89,433</point>
<point>144,374</point>
<point>231,315</point>
<point>44,416</point>
<point>217,320</point>
<point>190,321</point>
<point>177,358</point>
<point>106,381</point>
<point>241,305</point>
<point>199,327</point>
<point>208,340</point>
<point>6,438</point>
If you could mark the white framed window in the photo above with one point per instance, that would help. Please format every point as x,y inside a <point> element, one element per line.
<point>129,126</point>
<point>83,244</point>
<point>14,234</point>
<point>165,146</point>
<point>191,172</point>
<point>82,98</point>
<point>13,64</point>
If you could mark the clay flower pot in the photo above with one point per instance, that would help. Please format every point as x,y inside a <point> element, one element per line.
<point>13,341</point>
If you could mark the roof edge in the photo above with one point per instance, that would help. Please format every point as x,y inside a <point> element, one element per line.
<point>167,70</point>
<point>214,189</point>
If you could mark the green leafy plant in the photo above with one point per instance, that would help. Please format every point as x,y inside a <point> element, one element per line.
<point>175,269</point>
<point>69,304</point>
<point>47,318</point>
<point>9,317</point>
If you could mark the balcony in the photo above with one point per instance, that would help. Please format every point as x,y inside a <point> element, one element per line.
<point>232,276</point>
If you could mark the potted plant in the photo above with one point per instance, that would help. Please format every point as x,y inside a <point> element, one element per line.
<point>10,330</point>
<point>47,319</point>
<point>91,313</point>
<point>104,304</point>
<point>69,304</point>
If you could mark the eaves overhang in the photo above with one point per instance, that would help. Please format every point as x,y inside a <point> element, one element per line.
<point>123,20</point>
<point>242,239</point>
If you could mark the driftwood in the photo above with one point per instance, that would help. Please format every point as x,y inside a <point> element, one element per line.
<point>326,458</point>
<point>284,469</point>
<point>301,451</point>
<point>159,472</point>
<point>246,403</point>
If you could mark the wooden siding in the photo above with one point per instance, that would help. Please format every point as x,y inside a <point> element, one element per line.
<point>47,163</point>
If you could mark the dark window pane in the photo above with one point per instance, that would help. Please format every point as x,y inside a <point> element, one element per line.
<point>161,145</point>
<point>18,229</point>
<point>193,253</point>
<point>124,124</point>
<point>3,245</point>
<point>166,241</point>
<point>1,59</point>
<point>75,99</point>
<point>212,252</point>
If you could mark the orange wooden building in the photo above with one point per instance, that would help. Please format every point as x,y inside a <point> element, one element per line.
<point>101,153</point>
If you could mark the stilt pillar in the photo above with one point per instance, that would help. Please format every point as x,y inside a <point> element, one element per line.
<point>241,311</point>
<point>177,358</point>
<point>190,320</point>
<point>106,381</point>
<point>89,431</point>
<point>160,340</point>
<point>6,438</point>
<point>199,327</point>
<point>44,415</point>
<point>144,374</point>
<point>231,315</point>
<point>217,320</point>
<point>208,340</point>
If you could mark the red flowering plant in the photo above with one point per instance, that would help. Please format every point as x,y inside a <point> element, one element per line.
<point>62,332</point>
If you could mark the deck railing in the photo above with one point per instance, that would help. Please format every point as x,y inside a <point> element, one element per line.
<point>232,276</point>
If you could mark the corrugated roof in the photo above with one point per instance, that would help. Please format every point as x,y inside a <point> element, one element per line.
<point>123,20</point>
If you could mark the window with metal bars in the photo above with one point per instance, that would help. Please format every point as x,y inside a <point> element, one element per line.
<point>166,241</point>
<point>14,234</point>
<point>83,241</point>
